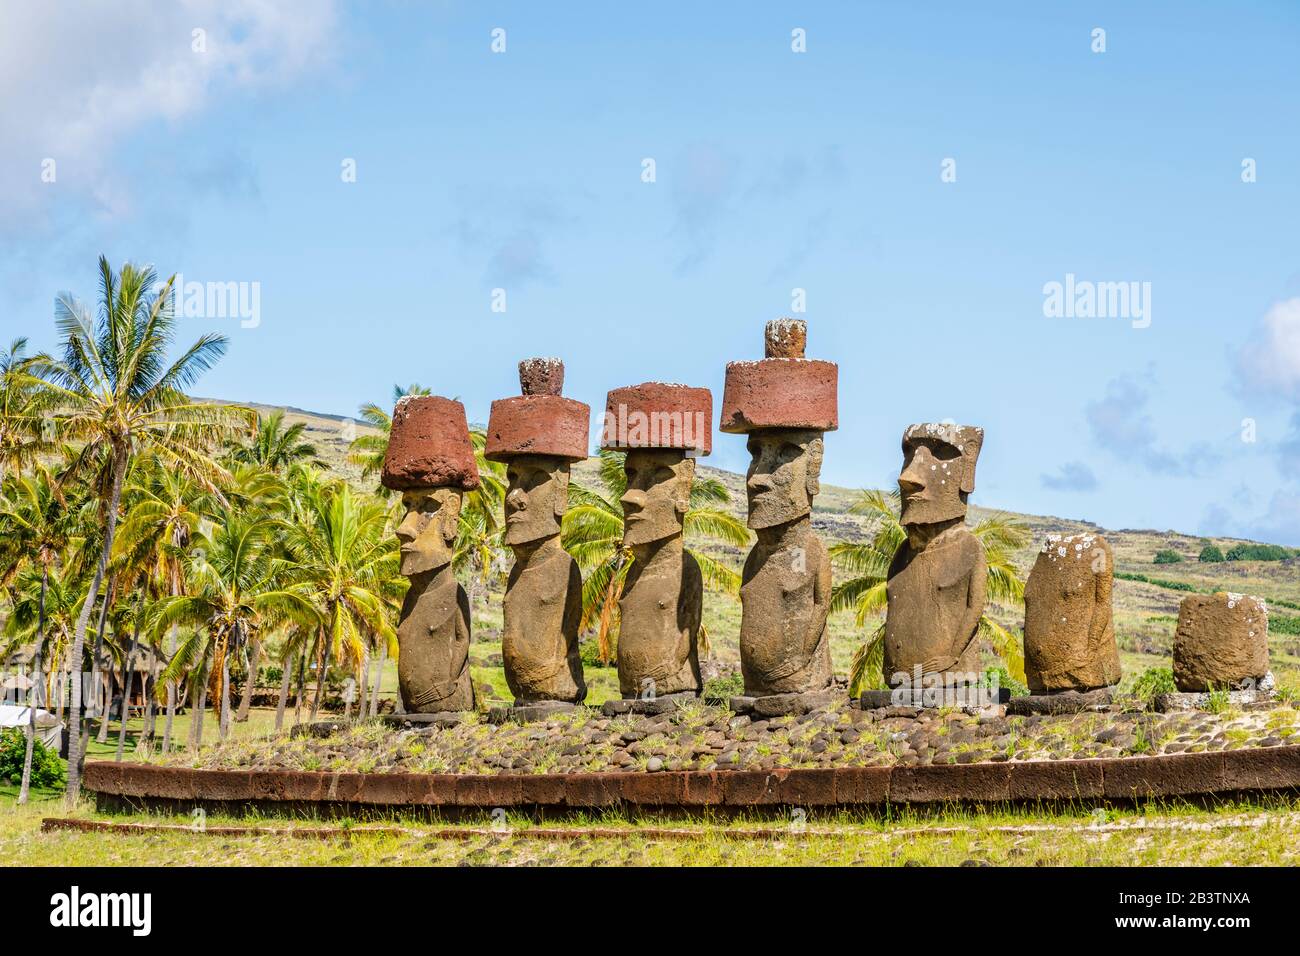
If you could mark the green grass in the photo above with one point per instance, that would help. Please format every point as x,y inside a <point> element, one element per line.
<point>1164,834</point>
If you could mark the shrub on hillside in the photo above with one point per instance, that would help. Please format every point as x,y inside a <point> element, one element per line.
<point>1211,554</point>
<point>1259,552</point>
<point>1168,556</point>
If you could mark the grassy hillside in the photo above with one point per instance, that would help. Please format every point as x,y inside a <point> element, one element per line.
<point>1145,613</point>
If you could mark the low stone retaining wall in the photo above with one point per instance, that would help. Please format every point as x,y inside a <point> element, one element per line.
<point>1126,778</point>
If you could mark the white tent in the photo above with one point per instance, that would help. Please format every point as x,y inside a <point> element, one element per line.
<point>48,727</point>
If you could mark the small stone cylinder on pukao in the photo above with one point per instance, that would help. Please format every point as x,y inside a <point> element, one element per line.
<point>431,462</point>
<point>538,435</point>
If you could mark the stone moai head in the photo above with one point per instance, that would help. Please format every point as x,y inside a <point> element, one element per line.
<point>784,403</point>
<point>663,428</point>
<point>538,434</point>
<point>537,498</point>
<point>938,471</point>
<point>427,533</point>
<point>431,462</point>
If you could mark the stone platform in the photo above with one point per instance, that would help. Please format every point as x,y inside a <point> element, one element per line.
<point>652,706</point>
<point>530,712</point>
<point>443,720</point>
<point>1063,702</point>
<point>785,705</point>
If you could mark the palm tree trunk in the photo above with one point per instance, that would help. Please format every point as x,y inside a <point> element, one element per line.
<point>364,689</point>
<point>246,699</point>
<point>150,717</point>
<point>302,681</point>
<point>171,694</point>
<point>31,694</point>
<point>128,675</point>
<point>200,710</point>
<point>96,665</point>
<point>320,672</point>
<point>223,721</point>
<point>379,676</point>
<point>284,696</point>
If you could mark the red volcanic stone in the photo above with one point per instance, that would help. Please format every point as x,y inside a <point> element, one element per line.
<point>659,415</point>
<point>428,446</point>
<point>780,393</point>
<point>537,425</point>
<point>541,376</point>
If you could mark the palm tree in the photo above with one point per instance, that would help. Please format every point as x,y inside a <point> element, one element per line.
<point>345,563</point>
<point>163,517</point>
<point>275,446</point>
<point>26,430</point>
<point>236,590</point>
<point>117,394</point>
<point>593,535</point>
<point>35,526</point>
<point>868,564</point>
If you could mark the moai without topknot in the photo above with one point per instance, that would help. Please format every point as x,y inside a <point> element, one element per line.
<point>662,428</point>
<point>936,585</point>
<point>1221,643</point>
<point>784,403</point>
<point>1069,632</point>
<point>538,435</point>
<point>431,462</point>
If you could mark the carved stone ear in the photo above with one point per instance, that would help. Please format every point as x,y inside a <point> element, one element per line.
<point>816,449</point>
<point>686,475</point>
<point>970,453</point>
<point>562,494</point>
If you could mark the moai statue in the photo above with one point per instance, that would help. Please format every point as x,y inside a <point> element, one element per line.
<point>431,462</point>
<point>1222,643</point>
<point>1069,634</point>
<point>538,435</point>
<point>784,403</point>
<point>662,428</point>
<point>936,585</point>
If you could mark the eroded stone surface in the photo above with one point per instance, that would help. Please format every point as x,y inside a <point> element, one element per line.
<point>663,595</point>
<point>1221,642</point>
<point>1069,633</point>
<point>783,390</point>
<point>431,460</point>
<point>543,601</point>
<point>937,580</point>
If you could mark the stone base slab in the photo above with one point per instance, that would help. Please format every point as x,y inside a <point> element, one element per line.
<point>933,699</point>
<point>1180,700</point>
<point>1062,702</point>
<point>442,719</point>
<point>785,705</point>
<point>530,712</point>
<point>652,706</point>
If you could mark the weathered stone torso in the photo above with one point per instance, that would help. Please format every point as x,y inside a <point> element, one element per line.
<point>658,638</point>
<point>539,644</point>
<point>936,596</point>
<point>433,640</point>
<point>784,600</point>
<point>1069,633</point>
<point>1221,642</point>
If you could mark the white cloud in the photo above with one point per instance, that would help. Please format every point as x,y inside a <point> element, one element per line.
<point>77,79</point>
<point>1270,361</point>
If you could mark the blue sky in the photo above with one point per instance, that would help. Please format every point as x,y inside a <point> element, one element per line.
<point>774,170</point>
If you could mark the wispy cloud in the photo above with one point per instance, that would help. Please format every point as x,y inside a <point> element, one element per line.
<point>1269,362</point>
<point>1071,476</point>
<point>1121,425</point>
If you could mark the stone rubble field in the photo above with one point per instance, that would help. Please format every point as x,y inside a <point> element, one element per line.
<point>701,737</point>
